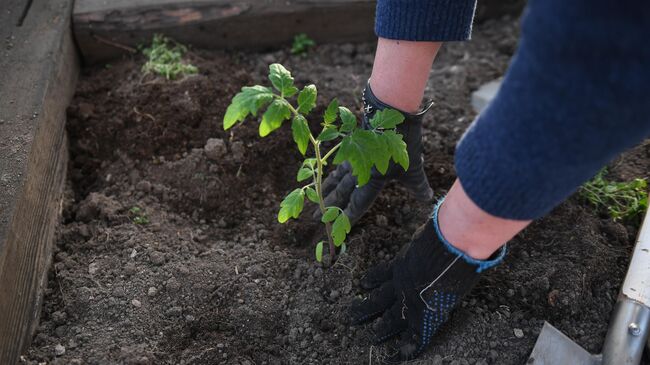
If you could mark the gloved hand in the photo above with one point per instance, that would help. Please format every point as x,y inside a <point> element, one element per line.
<point>418,290</point>
<point>340,187</point>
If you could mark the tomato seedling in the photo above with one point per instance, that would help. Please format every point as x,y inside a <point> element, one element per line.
<point>362,148</point>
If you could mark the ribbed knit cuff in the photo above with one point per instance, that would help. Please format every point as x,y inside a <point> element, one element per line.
<point>425,20</point>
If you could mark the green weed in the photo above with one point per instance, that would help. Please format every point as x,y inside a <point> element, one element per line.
<point>165,58</point>
<point>302,44</point>
<point>621,200</point>
<point>138,216</point>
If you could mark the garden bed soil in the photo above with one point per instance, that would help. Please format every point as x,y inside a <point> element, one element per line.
<point>212,278</point>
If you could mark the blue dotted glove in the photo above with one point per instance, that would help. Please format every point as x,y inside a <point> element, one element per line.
<point>418,290</point>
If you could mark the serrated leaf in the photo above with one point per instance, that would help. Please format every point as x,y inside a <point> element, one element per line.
<point>304,174</point>
<point>381,157</point>
<point>300,130</point>
<point>282,80</point>
<point>328,134</point>
<point>331,112</point>
<point>386,119</point>
<point>348,120</point>
<point>273,117</point>
<point>291,206</point>
<point>307,99</point>
<point>360,149</point>
<point>330,214</point>
<point>396,148</point>
<point>340,229</point>
<point>312,195</point>
<point>319,251</point>
<point>248,101</point>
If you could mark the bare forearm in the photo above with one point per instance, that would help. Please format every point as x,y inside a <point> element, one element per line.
<point>401,70</point>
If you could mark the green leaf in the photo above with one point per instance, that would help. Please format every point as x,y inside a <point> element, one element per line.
<point>349,121</point>
<point>344,248</point>
<point>301,133</point>
<point>282,80</point>
<point>304,174</point>
<point>272,119</point>
<point>330,214</point>
<point>292,205</point>
<point>386,119</point>
<point>307,99</point>
<point>310,162</point>
<point>328,134</point>
<point>331,112</point>
<point>248,101</point>
<point>319,251</point>
<point>381,156</point>
<point>360,149</point>
<point>340,229</point>
<point>396,148</point>
<point>312,195</point>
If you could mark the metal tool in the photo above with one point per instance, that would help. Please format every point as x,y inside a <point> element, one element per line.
<point>629,326</point>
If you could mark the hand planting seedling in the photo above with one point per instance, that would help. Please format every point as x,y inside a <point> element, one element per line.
<point>165,58</point>
<point>622,200</point>
<point>363,149</point>
<point>301,44</point>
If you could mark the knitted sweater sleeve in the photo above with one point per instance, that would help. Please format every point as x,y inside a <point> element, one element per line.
<point>425,20</point>
<point>575,96</point>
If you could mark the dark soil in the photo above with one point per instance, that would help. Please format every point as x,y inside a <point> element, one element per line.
<point>212,277</point>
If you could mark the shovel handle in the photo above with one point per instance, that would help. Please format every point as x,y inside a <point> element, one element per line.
<point>637,280</point>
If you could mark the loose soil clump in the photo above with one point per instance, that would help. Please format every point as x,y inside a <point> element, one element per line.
<point>201,273</point>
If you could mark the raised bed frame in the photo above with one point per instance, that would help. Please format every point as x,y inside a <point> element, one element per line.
<point>45,41</point>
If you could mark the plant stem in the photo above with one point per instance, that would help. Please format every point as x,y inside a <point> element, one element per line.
<point>331,152</point>
<point>320,161</point>
<point>321,202</point>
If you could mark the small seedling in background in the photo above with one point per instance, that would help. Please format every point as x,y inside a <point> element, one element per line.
<point>363,149</point>
<point>165,58</point>
<point>622,200</point>
<point>138,216</point>
<point>301,44</point>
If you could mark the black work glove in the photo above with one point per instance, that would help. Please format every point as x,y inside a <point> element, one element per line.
<point>418,290</point>
<point>340,187</point>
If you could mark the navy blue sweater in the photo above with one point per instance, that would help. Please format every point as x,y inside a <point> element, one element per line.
<point>576,94</point>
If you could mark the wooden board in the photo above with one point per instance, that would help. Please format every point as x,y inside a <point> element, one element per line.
<point>106,29</point>
<point>103,28</point>
<point>40,67</point>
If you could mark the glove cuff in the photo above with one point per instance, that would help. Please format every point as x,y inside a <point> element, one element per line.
<point>481,265</point>
<point>371,104</point>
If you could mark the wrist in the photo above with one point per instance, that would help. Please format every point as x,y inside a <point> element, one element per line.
<point>470,229</point>
<point>479,258</point>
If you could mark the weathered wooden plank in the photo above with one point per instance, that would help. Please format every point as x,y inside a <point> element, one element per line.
<point>40,66</point>
<point>106,29</point>
<point>100,26</point>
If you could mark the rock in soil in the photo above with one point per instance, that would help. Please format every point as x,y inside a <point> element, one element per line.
<point>215,149</point>
<point>59,350</point>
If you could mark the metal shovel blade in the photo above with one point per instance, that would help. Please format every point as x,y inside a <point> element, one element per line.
<point>554,348</point>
